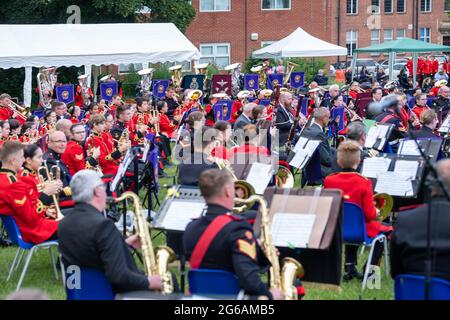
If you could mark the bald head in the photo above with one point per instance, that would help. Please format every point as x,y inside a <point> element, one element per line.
<point>57,141</point>
<point>443,171</point>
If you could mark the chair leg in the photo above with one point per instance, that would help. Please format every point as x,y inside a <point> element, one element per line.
<point>13,264</point>
<point>25,267</point>
<point>52,258</point>
<point>20,260</point>
<point>63,271</point>
<point>363,249</point>
<point>386,255</point>
<point>368,264</point>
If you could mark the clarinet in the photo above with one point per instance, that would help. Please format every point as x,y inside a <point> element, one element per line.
<point>275,107</point>
<point>294,126</point>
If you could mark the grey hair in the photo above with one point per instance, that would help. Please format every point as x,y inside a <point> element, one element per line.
<point>356,130</point>
<point>83,184</point>
<point>333,87</point>
<point>284,95</point>
<point>443,171</point>
<point>321,112</point>
<point>249,106</point>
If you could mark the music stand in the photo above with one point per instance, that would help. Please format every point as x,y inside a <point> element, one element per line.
<point>322,259</point>
<point>303,152</point>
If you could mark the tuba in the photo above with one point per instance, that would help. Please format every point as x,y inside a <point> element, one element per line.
<point>46,80</point>
<point>281,279</point>
<point>233,69</point>
<point>154,265</point>
<point>284,178</point>
<point>84,90</point>
<point>146,82</point>
<point>261,71</point>
<point>176,75</point>
<point>287,75</point>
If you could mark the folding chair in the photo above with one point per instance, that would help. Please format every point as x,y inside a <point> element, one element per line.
<point>16,237</point>
<point>92,285</point>
<point>354,233</point>
<point>213,282</point>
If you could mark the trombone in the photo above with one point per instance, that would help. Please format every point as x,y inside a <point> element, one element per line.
<point>18,111</point>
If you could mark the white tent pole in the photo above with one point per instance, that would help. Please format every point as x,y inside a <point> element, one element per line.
<point>88,71</point>
<point>415,58</point>
<point>27,86</point>
<point>391,65</point>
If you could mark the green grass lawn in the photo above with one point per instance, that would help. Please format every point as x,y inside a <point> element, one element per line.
<point>40,274</point>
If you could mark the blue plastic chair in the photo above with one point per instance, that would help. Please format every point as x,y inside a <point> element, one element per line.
<point>39,113</point>
<point>411,102</point>
<point>354,233</point>
<point>412,287</point>
<point>92,285</point>
<point>213,282</point>
<point>313,171</point>
<point>387,148</point>
<point>15,236</point>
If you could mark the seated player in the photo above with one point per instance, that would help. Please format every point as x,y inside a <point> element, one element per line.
<point>233,247</point>
<point>358,190</point>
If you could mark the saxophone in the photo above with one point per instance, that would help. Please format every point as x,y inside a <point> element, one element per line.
<point>164,255</point>
<point>281,279</point>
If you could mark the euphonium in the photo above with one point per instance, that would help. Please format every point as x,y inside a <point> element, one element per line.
<point>45,176</point>
<point>384,202</point>
<point>153,265</point>
<point>242,188</point>
<point>287,76</point>
<point>281,279</point>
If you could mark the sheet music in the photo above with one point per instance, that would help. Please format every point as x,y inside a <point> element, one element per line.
<point>311,147</point>
<point>259,176</point>
<point>373,166</point>
<point>377,132</point>
<point>122,170</point>
<point>300,159</point>
<point>407,168</point>
<point>408,148</point>
<point>146,150</point>
<point>300,144</point>
<point>395,184</point>
<point>292,229</point>
<point>180,213</point>
<point>445,127</point>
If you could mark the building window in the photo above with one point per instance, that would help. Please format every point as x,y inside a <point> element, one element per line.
<point>351,40</point>
<point>447,5</point>
<point>375,6</point>
<point>388,35</point>
<point>215,53</point>
<point>401,33</point>
<point>276,4</point>
<point>186,65</point>
<point>266,43</point>
<point>401,6</point>
<point>130,68</point>
<point>425,34</point>
<point>388,7</point>
<point>352,6</point>
<point>374,37</point>
<point>425,5</point>
<point>215,5</point>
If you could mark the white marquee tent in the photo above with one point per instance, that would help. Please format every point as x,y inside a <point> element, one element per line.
<point>299,44</point>
<point>91,44</point>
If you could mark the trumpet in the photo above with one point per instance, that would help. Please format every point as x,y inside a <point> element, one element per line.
<point>44,175</point>
<point>353,115</point>
<point>155,114</point>
<point>153,264</point>
<point>281,279</point>
<point>18,111</point>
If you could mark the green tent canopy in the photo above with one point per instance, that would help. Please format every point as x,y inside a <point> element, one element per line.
<point>404,45</point>
<point>400,45</point>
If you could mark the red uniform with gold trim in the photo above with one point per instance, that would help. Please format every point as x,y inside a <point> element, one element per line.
<point>358,190</point>
<point>236,110</point>
<point>19,200</point>
<point>79,96</point>
<point>73,157</point>
<point>419,109</point>
<point>209,115</point>
<point>5,113</point>
<point>109,158</point>
<point>248,149</point>
<point>166,126</point>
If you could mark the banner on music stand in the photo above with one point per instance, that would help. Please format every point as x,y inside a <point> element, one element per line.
<point>65,93</point>
<point>108,90</point>
<point>304,106</point>
<point>337,115</point>
<point>159,88</point>
<point>221,83</point>
<point>297,80</point>
<point>273,80</point>
<point>222,110</point>
<point>264,102</point>
<point>251,82</point>
<point>193,82</point>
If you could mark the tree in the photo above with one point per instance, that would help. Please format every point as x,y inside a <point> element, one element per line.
<point>180,12</point>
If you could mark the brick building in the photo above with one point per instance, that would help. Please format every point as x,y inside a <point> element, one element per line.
<point>227,31</point>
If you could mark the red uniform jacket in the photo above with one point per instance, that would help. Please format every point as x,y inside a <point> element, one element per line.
<point>418,110</point>
<point>358,190</point>
<point>166,126</point>
<point>220,152</point>
<point>250,149</point>
<point>427,67</point>
<point>5,113</point>
<point>73,157</point>
<point>236,110</point>
<point>79,97</point>
<point>109,158</point>
<point>19,200</point>
<point>409,66</point>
